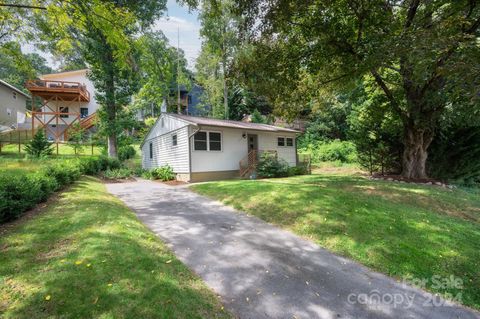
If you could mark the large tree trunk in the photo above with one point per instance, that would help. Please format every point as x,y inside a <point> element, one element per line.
<point>112,146</point>
<point>416,142</point>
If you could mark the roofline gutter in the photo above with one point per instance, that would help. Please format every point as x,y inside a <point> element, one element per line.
<point>190,149</point>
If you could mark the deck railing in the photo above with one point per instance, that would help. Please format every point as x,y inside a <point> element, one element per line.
<point>57,86</point>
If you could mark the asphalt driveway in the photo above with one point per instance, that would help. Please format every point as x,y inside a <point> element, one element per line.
<point>261,271</point>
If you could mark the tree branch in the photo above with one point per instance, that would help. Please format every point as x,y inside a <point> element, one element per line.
<point>388,93</point>
<point>23,6</point>
<point>412,11</point>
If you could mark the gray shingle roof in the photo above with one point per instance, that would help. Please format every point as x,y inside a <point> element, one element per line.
<point>232,124</point>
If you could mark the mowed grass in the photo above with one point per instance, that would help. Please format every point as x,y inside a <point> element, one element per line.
<point>13,165</point>
<point>396,228</point>
<point>11,150</point>
<point>87,256</point>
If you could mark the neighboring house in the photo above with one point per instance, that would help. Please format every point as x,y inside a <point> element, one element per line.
<point>200,149</point>
<point>190,100</point>
<point>13,106</point>
<point>68,97</point>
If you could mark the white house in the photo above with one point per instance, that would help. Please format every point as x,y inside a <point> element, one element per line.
<point>13,106</point>
<point>70,93</point>
<point>200,149</point>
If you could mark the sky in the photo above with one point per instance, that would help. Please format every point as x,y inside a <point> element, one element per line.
<point>177,20</point>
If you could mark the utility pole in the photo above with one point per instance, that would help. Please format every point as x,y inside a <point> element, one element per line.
<point>179,109</point>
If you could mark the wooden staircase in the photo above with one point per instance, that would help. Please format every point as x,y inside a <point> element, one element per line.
<point>249,163</point>
<point>88,121</point>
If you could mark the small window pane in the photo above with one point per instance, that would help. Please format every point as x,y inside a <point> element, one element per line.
<point>289,141</point>
<point>200,145</point>
<point>215,140</point>
<point>200,141</point>
<point>151,150</point>
<point>215,137</point>
<point>281,141</point>
<point>215,146</point>
<point>200,136</point>
<point>174,140</point>
<point>63,110</point>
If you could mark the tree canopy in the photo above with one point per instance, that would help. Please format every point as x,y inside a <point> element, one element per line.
<point>422,56</point>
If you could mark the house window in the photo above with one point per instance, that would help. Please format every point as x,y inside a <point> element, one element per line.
<point>83,112</point>
<point>14,94</point>
<point>200,141</point>
<point>207,141</point>
<point>64,110</point>
<point>281,141</point>
<point>150,146</point>
<point>174,140</point>
<point>289,141</point>
<point>215,141</point>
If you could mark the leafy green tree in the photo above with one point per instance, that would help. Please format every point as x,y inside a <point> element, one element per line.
<point>12,22</point>
<point>210,78</point>
<point>220,39</point>
<point>39,146</point>
<point>257,117</point>
<point>416,52</point>
<point>454,155</point>
<point>104,31</point>
<point>76,137</point>
<point>244,102</point>
<point>17,67</point>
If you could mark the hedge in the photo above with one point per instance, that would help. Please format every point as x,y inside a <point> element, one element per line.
<point>22,190</point>
<point>336,150</point>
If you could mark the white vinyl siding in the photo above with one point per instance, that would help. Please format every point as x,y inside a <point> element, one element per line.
<point>235,147</point>
<point>11,109</point>
<point>269,141</point>
<point>165,153</point>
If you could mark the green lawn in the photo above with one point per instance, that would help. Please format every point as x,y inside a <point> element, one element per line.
<point>396,228</point>
<point>63,149</point>
<point>87,256</point>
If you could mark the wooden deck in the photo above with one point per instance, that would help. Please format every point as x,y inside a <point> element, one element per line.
<point>66,91</point>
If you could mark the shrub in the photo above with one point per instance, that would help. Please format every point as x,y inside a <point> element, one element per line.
<point>39,146</point>
<point>15,196</point>
<point>90,166</point>
<point>297,170</point>
<point>126,152</point>
<point>164,173</point>
<point>271,166</point>
<point>118,173</point>
<point>108,163</point>
<point>21,190</point>
<point>336,150</point>
<point>64,173</point>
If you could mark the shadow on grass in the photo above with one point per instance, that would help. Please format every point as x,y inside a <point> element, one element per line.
<point>93,258</point>
<point>398,229</point>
